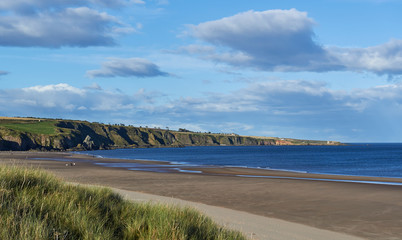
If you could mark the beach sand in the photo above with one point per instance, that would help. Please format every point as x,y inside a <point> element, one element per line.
<point>369,211</point>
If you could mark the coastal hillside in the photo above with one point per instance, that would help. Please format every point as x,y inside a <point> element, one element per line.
<point>22,134</point>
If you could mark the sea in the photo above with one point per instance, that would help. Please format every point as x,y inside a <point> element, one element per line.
<point>357,159</point>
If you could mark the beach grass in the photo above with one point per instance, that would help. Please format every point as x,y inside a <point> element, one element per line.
<point>37,205</point>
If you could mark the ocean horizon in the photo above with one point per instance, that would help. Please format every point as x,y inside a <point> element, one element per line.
<point>353,159</point>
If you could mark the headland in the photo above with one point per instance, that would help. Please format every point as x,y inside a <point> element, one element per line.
<point>23,134</point>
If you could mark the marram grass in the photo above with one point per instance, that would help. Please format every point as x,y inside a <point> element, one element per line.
<point>36,205</point>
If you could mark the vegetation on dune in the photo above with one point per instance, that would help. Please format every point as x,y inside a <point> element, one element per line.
<point>36,205</point>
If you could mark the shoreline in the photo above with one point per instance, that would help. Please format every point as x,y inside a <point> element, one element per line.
<point>179,167</point>
<point>371,211</point>
<point>214,170</point>
<point>314,164</point>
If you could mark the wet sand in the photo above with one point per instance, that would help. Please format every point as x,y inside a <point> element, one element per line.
<point>371,211</point>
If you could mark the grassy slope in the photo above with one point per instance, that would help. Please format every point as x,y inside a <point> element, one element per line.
<point>42,127</point>
<point>36,205</point>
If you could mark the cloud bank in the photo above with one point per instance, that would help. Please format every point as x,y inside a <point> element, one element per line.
<point>127,67</point>
<point>58,23</point>
<point>272,40</point>
<point>24,7</point>
<point>382,59</point>
<point>282,108</point>
<point>63,100</point>
<point>284,40</point>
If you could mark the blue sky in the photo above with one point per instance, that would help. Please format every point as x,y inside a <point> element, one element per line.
<point>328,69</point>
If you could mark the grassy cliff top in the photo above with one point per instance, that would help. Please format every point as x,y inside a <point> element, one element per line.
<point>35,127</point>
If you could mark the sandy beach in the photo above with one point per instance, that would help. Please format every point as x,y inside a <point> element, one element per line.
<point>365,210</point>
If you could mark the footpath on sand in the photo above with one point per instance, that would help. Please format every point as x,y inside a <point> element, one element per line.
<point>253,226</point>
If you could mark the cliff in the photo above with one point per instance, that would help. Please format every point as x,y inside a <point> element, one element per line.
<point>21,134</point>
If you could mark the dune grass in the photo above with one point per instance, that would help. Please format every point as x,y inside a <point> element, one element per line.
<point>36,205</point>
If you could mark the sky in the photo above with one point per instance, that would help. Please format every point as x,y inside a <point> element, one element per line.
<point>324,70</point>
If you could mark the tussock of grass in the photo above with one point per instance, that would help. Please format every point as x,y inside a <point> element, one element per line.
<point>36,205</point>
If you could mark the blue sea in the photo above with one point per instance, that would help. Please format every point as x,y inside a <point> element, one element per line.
<point>372,159</point>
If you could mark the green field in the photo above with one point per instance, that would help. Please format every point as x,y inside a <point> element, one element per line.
<point>34,127</point>
<point>37,205</point>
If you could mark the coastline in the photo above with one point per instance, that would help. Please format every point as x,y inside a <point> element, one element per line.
<point>239,171</point>
<point>371,211</point>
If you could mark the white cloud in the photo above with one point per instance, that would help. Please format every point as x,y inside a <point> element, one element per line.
<point>381,59</point>
<point>35,6</point>
<point>280,97</point>
<point>211,53</point>
<point>268,40</point>
<point>282,23</point>
<point>63,99</point>
<point>284,40</point>
<point>58,23</point>
<point>61,87</point>
<point>127,67</point>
